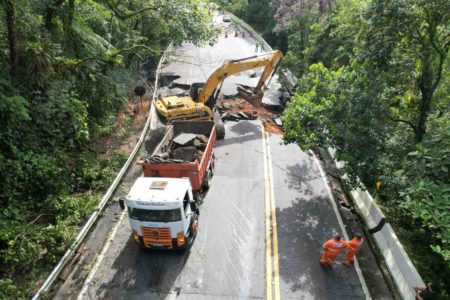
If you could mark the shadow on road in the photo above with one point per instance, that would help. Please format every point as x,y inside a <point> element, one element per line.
<point>302,228</point>
<point>143,274</point>
<point>300,177</point>
<point>243,131</point>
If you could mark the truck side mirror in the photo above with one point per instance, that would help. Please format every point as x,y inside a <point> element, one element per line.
<point>194,207</point>
<point>121,203</point>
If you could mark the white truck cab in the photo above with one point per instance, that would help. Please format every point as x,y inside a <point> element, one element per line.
<point>162,212</point>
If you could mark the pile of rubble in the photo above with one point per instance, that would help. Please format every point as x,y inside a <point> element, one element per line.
<point>237,116</point>
<point>239,109</point>
<point>185,147</point>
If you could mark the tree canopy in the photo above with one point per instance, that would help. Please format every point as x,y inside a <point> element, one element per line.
<point>65,69</point>
<point>374,85</point>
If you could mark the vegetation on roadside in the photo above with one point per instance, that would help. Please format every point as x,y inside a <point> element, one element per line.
<point>65,68</point>
<point>374,84</point>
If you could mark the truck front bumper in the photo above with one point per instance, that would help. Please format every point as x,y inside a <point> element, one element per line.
<point>174,245</point>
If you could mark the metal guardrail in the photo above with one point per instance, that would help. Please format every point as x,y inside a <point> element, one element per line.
<point>247,27</point>
<point>106,197</point>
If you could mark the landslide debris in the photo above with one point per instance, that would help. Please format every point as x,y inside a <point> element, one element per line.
<point>238,109</point>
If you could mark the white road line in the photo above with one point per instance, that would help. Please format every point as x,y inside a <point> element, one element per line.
<point>268,249</point>
<point>172,295</point>
<point>100,257</point>
<point>341,224</point>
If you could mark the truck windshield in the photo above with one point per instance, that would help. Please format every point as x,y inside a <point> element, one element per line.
<point>149,215</point>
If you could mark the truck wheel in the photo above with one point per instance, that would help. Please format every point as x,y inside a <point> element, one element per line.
<point>220,127</point>
<point>212,165</point>
<point>220,131</point>
<point>207,180</point>
<point>190,240</point>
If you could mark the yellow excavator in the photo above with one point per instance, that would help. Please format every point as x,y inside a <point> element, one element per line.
<point>199,105</point>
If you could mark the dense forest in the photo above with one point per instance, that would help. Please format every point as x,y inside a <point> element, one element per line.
<point>65,69</point>
<point>374,84</point>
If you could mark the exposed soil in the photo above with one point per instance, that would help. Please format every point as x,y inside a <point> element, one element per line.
<point>266,114</point>
<point>129,124</point>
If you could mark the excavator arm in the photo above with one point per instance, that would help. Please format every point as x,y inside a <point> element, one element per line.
<point>269,61</point>
<point>198,107</point>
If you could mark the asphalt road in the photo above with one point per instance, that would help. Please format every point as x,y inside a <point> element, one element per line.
<point>240,251</point>
<point>188,63</point>
<point>305,220</point>
<point>228,258</point>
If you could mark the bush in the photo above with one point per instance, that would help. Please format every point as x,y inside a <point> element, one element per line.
<point>8,290</point>
<point>427,197</point>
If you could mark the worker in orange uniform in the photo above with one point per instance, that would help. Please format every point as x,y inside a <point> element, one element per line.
<point>353,247</point>
<point>332,248</point>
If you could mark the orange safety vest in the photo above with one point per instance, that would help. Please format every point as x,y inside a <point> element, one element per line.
<point>334,246</point>
<point>355,245</point>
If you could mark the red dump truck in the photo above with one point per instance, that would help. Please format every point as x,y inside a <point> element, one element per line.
<point>186,151</point>
<point>163,205</point>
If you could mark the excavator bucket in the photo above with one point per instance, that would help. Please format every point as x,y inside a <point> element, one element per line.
<point>247,93</point>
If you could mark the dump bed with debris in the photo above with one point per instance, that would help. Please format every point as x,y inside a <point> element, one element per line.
<point>185,151</point>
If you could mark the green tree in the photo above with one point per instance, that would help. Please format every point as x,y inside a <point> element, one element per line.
<point>377,92</point>
<point>427,197</point>
<point>65,69</point>
<point>409,40</point>
<point>338,109</point>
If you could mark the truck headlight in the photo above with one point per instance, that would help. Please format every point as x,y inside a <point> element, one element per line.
<point>180,239</point>
<point>136,236</point>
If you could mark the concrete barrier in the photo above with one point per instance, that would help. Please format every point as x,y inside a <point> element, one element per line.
<point>396,259</point>
<point>368,209</point>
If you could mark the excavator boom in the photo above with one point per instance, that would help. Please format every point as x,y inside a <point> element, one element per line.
<point>269,61</point>
<point>198,107</point>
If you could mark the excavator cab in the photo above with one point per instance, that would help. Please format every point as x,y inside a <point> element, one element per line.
<point>248,93</point>
<point>196,89</point>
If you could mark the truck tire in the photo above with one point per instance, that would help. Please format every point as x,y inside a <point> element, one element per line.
<point>212,165</point>
<point>220,127</point>
<point>220,131</point>
<point>207,179</point>
<point>190,240</point>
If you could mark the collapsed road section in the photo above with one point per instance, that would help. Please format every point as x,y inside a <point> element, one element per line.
<point>236,109</point>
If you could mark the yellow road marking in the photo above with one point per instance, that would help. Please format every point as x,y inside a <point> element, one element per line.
<point>272,274</point>
<point>276,267</point>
